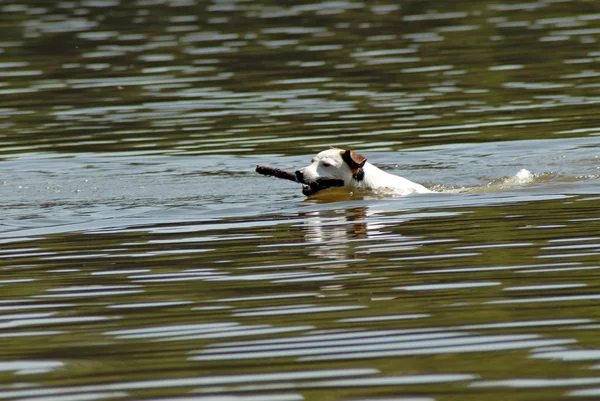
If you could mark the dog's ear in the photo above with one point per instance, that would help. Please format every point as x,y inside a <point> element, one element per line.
<point>353,159</point>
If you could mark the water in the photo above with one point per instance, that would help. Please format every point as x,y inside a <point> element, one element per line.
<point>141,256</point>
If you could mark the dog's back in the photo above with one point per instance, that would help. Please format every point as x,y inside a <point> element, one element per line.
<point>353,170</point>
<point>376,179</point>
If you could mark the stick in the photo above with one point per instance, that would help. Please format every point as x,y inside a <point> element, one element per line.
<point>309,188</point>
<point>329,182</point>
<point>275,172</point>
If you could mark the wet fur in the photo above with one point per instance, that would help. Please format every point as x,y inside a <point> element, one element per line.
<point>353,169</point>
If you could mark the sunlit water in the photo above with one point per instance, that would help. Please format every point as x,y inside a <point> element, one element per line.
<point>141,257</point>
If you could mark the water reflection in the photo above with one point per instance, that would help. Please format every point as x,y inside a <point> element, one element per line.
<point>352,286</point>
<point>182,71</point>
<point>332,232</point>
<point>135,234</point>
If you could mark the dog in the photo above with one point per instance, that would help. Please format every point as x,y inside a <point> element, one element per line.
<point>353,170</point>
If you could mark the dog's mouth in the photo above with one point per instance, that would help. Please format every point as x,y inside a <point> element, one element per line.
<point>321,184</point>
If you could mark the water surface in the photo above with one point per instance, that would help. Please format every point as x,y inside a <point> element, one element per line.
<point>142,258</point>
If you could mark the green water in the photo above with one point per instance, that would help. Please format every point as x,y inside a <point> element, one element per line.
<point>142,258</point>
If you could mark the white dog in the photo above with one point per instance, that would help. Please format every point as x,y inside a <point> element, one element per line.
<point>353,170</point>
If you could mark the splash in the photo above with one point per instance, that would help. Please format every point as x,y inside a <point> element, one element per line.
<point>522,177</point>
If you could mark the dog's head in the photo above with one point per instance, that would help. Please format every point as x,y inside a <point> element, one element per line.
<point>332,167</point>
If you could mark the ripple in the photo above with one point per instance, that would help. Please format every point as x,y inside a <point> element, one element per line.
<point>397,380</point>
<point>25,304</point>
<point>537,383</point>
<point>440,256</point>
<point>432,68</point>
<point>501,245</point>
<point>268,297</point>
<point>569,355</point>
<point>326,344</point>
<point>526,323</point>
<point>86,294</point>
<point>129,137</point>
<point>376,344</point>
<point>262,397</point>
<point>498,268</point>
<point>558,298</point>
<point>489,344</point>
<point>30,367</point>
<point>383,52</point>
<point>169,331</point>
<point>210,380</point>
<point>434,16</point>
<point>544,287</point>
<point>446,286</point>
<point>406,380</point>
<point>294,309</point>
<point>383,318</point>
<point>54,321</point>
<point>149,305</point>
<point>589,392</point>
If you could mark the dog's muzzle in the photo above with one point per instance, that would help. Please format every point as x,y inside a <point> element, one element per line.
<point>311,188</point>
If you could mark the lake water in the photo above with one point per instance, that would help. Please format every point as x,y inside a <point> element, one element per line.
<point>142,258</point>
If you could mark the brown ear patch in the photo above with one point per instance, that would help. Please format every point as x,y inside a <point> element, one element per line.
<point>353,159</point>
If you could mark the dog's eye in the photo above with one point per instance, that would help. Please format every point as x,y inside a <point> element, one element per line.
<point>326,165</point>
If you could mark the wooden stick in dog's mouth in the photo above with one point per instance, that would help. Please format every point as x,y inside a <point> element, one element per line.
<point>321,184</point>
<point>275,172</point>
<point>309,188</point>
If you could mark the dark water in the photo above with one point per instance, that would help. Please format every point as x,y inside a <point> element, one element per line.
<point>141,258</point>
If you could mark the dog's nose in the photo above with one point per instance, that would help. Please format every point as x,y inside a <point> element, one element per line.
<point>300,176</point>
